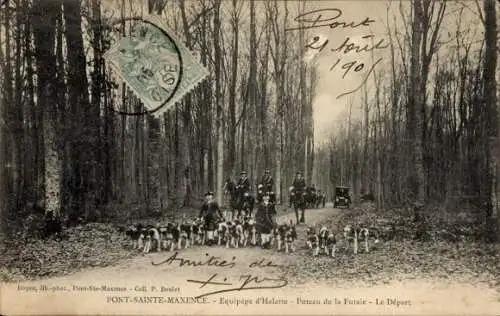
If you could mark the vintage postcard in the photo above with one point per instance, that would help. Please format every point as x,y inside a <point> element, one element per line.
<point>232,157</point>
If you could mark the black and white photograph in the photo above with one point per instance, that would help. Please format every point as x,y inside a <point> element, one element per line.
<point>241,157</point>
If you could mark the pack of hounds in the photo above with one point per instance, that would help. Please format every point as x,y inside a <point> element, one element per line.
<point>242,233</point>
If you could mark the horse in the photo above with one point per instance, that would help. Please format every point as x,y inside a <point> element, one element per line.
<point>299,201</point>
<point>230,187</point>
<point>239,201</point>
<point>247,203</point>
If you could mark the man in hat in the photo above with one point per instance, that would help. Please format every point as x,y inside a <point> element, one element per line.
<point>265,220</point>
<point>299,187</point>
<point>211,215</point>
<point>266,186</point>
<point>311,194</point>
<point>243,183</point>
<point>243,189</point>
<point>299,184</point>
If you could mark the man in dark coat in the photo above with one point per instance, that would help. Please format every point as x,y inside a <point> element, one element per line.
<point>266,186</point>
<point>311,194</point>
<point>267,181</point>
<point>211,215</point>
<point>243,189</point>
<point>299,184</point>
<point>299,187</point>
<point>265,220</point>
<point>243,183</point>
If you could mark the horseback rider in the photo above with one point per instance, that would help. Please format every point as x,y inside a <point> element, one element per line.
<point>290,196</point>
<point>266,186</point>
<point>243,189</point>
<point>298,188</point>
<point>211,215</point>
<point>313,189</point>
<point>299,184</point>
<point>227,185</point>
<point>311,194</point>
<point>319,197</point>
<point>243,184</point>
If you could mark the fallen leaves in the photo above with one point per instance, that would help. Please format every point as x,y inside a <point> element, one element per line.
<point>91,245</point>
<point>398,256</point>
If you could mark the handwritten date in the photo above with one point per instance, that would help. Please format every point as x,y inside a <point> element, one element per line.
<point>349,46</point>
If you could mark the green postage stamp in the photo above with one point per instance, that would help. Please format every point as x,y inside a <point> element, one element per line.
<point>155,64</point>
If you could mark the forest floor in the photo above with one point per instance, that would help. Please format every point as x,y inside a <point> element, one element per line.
<point>463,273</point>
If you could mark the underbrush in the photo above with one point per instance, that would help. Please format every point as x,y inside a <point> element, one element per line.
<point>26,256</point>
<point>465,262</point>
<point>437,223</point>
<point>450,249</point>
<point>90,245</point>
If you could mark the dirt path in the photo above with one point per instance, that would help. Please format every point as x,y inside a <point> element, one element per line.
<point>235,268</point>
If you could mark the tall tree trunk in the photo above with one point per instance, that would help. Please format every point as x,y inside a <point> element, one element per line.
<point>45,15</point>
<point>85,117</point>
<point>303,129</point>
<point>18,115</point>
<point>31,166</point>
<point>8,167</point>
<point>3,183</point>
<point>218,102</point>
<point>492,149</point>
<point>98,85</point>
<point>154,141</point>
<point>232,90</point>
<point>280,36</point>
<point>186,124</point>
<point>416,100</point>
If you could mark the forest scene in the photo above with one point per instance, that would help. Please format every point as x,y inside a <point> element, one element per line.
<point>413,131</point>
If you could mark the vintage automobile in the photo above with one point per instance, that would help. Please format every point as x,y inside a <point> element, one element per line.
<point>342,197</point>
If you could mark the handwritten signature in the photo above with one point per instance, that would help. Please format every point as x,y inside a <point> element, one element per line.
<point>326,18</point>
<point>248,282</point>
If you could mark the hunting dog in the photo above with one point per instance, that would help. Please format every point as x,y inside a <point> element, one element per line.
<point>358,234</point>
<point>184,235</point>
<point>134,233</point>
<point>221,232</point>
<point>284,236</point>
<point>197,232</point>
<point>168,241</point>
<point>236,237</point>
<point>151,240</point>
<point>312,240</point>
<point>290,238</point>
<point>327,241</point>
<point>249,231</point>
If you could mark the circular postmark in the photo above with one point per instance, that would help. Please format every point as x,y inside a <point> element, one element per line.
<point>150,62</point>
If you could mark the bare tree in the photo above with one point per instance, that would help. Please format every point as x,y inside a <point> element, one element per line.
<point>492,117</point>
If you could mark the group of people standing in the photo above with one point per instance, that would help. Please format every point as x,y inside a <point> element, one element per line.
<point>265,216</point>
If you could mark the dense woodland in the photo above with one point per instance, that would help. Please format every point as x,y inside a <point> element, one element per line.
<point>67,149</point>
<point>429,133</point>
